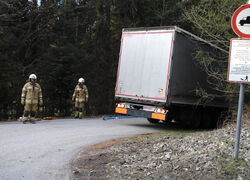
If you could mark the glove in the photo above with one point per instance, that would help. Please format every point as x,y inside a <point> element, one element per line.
<point>41,102</point>
<point>22,101</point>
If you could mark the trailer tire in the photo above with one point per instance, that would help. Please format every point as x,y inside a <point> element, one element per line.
<point>153,121</point>
<point>188,116</point>
<point>211,117</point>
<point>206,119</point>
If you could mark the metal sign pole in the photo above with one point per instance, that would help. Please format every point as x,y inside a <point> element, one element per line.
<point>243,35</point>
<point>239,116</point>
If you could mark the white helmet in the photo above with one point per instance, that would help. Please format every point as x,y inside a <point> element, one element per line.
<point>32,76</point>
<point>81,80</point>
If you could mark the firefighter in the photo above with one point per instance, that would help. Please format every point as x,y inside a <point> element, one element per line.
<point>80,97</point>
<point>31,97</point>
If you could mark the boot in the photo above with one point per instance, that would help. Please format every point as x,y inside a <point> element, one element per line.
<point>32,120</point>
<point>25,119</point>
<point>80,115</point>
<point>76,114</point>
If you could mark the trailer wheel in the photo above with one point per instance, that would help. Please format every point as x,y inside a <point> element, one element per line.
<point>187,116</point>
<point>207,117</point>
<point>153,121</point>
<point>210,117</point>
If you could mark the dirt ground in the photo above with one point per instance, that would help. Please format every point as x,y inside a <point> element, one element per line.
<point>177,154</point>
<point>91,162</point>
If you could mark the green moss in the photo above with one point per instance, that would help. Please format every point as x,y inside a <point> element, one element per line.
<point>230,143</point>
<point>234,167</point>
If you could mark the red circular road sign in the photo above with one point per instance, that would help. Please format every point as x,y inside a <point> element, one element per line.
<point>241,21</point>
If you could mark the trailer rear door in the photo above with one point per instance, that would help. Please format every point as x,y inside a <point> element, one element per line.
<point>144,64</point>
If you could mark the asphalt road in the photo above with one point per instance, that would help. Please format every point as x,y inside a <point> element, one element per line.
<point>44,151</point>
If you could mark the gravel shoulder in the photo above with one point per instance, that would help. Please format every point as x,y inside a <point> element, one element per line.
<point>170,154</point>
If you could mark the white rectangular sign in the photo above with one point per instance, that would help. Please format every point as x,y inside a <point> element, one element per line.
<point>239,61</point>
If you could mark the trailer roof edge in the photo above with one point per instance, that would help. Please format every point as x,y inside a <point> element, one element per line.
<point>175,28</point>
<point>198,38</point>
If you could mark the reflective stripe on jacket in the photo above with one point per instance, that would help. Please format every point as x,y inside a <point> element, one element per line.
<point>31,94</point>
<point>80,93</point>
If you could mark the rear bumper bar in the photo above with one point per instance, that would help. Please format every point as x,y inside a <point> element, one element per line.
<point>140,113</point>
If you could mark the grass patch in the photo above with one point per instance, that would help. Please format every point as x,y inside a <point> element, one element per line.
<point>235,167</point>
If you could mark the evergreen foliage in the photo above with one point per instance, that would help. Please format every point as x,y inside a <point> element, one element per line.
<point>211,20</point>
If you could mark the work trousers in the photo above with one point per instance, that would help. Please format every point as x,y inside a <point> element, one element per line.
<point>79,109</point>
<point>30,111</point>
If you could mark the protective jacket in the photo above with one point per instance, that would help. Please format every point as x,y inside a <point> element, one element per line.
<point>80,94</point>
<point>31,94</point>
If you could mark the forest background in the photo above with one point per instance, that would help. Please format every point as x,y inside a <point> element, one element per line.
<point>63,40</point>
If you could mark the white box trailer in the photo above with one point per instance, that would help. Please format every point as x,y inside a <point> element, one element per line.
<point>157,76</point>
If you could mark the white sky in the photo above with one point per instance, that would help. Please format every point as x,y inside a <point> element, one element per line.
<point>38,2</point>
